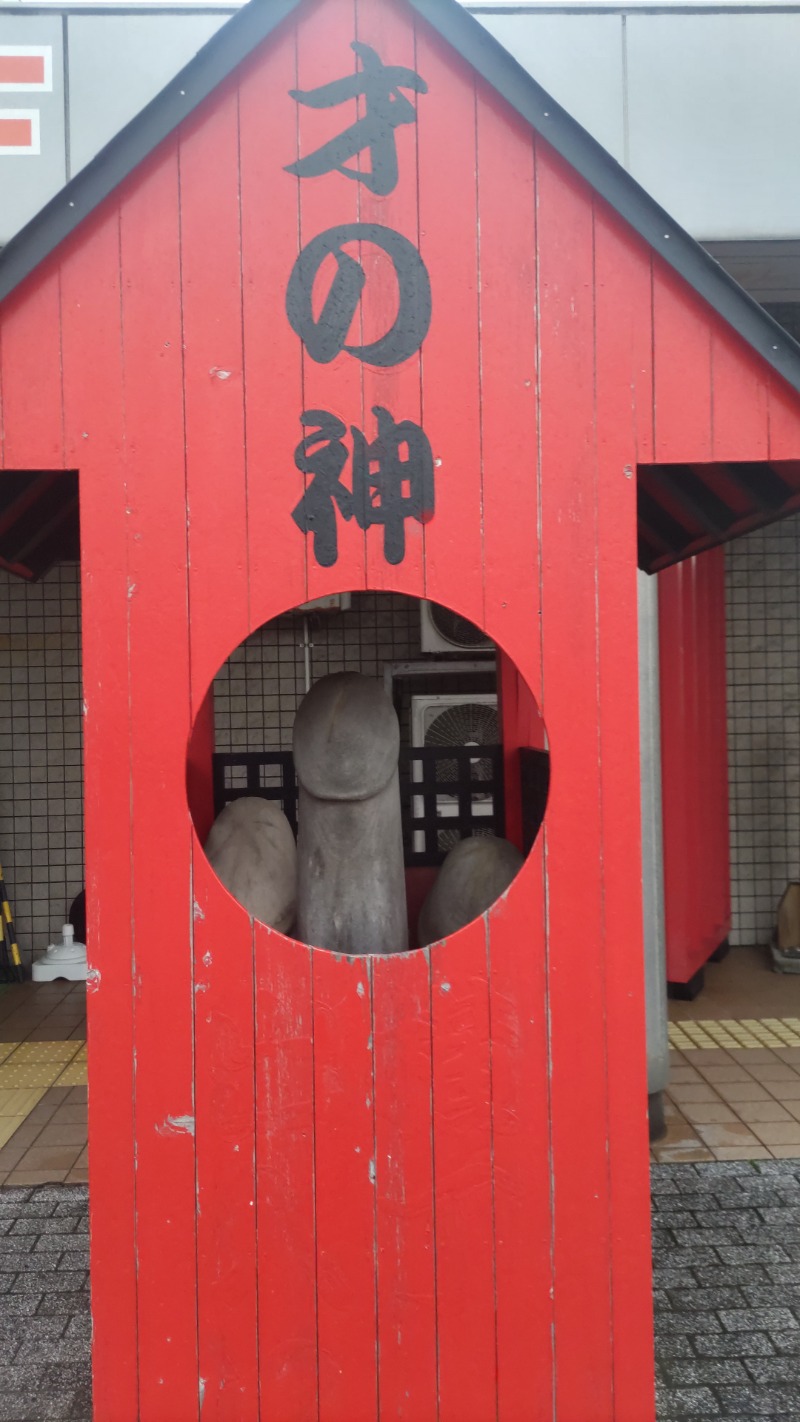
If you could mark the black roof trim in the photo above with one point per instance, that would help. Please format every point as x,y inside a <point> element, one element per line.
<point>205,72</point>
<point>256,20</point>
<point>608,178</point>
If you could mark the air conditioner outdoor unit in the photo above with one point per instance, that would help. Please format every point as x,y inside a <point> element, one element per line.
<point>454,719</point>
<point>442,630</point>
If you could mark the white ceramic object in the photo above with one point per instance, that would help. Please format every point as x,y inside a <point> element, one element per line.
<point>66,959</point>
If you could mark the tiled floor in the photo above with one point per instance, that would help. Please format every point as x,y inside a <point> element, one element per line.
<point>734,1091</point>
<point>43,1083</point>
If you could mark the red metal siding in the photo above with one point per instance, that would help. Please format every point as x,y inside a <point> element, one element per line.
<point>694,757</point>
<point>415,1186</point>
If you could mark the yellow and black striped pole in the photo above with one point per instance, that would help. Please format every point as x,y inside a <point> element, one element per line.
<point>9,931</point>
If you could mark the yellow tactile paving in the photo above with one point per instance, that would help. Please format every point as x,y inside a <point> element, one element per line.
<point>28,1074</point>
<point>6,1048</point>
<point>20,1102</point>
<point>746,1032</point>
<point>73,1075</point>
<point>40,1053</point>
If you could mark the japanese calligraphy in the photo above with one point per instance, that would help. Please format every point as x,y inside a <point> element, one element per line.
<point>325,336</point>
<point>386,109</point>
<point>392,480</point>
<point>391,475</point>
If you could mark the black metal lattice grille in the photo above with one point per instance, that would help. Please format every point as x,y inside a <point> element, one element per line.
<point>447,793</point>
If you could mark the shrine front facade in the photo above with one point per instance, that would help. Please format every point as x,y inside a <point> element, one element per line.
<point>353,307</point>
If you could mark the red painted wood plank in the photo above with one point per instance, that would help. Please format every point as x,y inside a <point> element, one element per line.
<point>740,381</point>
<point>522,1164</point>
<point>287,1246</point>
<point>277,551</point>
<point>404,1183</point>
<point>90,307</point>
<point>33,419</point>
<point>159,670</point>
<point>622,306</point>
<point>398,388</point>
<point>681,371</point>
<point>521,1147</point>
<point>462,1125</point>
<point>324,36</point>
<point>573,829</point>
<point>345,1172</point>
<point>224,1026</point>
<point>448,195</point>
<point>784,421</point>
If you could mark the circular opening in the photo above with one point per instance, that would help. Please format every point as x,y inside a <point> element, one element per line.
<point>363,790</point>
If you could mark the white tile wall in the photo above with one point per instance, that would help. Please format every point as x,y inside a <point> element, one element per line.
<point>763,631</point>
<point>258,690</point>
<point>41,772</point>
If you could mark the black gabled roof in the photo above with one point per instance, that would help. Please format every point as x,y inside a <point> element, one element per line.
<point>252,24</point>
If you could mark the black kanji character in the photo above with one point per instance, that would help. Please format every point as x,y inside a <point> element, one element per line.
<point>386,109</point>
<point>324,337</point>
<point>392,480</point>
<point>322,455</point>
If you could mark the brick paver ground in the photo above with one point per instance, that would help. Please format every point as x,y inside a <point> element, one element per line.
<point>727,1294</point>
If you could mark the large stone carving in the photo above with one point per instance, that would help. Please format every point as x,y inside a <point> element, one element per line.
<point>351,881</point>
<point>474,874</point>
<point>252,850</point>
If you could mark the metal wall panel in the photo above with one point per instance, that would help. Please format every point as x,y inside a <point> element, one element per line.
<point>578,59</point>
<point>714,116</point>
<point>118,63</point>
<point>29,179</point>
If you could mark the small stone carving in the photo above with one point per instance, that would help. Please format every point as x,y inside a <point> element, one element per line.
<point>251,848</point>
<point>474,874</point>
<point>351,894</point>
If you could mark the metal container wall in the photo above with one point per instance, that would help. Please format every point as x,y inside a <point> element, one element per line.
<point>694,760</point>
<point>652,839</point>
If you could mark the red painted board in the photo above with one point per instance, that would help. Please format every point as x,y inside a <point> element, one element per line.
<point>622,303</point>
<point>462,1135</point>
<point>159,731</point>
<point>199,785</point>
<point>345,1174</point>
<point>784,420</point>
<point>517,985</point>
<point>521,1147</point>
<point>326,202</point>
<point>572,826</point>
<point>397,388</point>
<point>681,371</point>
<point>30,378</point>
<point>450,364</point>
<point>287,1246</point>
<point>407,1380</point>
<point>224,1024</point>
<point>272,355</point>
<point>740,383</point>
<point>91,354</point>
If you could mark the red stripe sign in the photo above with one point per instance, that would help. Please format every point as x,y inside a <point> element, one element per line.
<point>19,132</point>
<point>26,68</point>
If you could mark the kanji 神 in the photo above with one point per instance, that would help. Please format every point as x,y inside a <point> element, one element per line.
<point>392,480</point>
<point>386,108</point>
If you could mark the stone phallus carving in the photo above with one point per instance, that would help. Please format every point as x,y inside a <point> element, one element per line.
<point>474,874</point>
<point>351,895</point>
<point>251,848</point>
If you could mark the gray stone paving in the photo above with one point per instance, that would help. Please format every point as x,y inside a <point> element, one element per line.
<point>727,1295</point>
<point>726,1250</point>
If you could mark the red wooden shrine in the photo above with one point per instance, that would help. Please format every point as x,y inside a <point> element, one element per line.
<point>412,1186</point>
